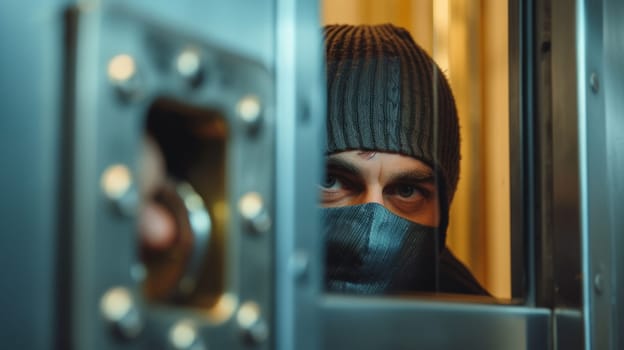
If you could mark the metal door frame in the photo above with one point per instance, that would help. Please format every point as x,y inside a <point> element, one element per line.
<point>566,72</point>
<point>371,323</point>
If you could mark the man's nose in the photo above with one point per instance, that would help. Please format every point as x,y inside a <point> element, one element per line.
<point>372,196</point>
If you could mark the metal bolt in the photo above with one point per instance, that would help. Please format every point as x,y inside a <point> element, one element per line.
<point>255,329</point>
<point>299,264</point>
<point>248,314</point>
<point>116,181</point>
<point>117,184</point>
<point>249,109</point>
<point>598,283</point>
<point>253,211</point>
<point>183,336</point>
<point>189,66</point>
<point>122,73</point>
<point>594,82</point>
<point>118,307</point>
<point>121,68</point>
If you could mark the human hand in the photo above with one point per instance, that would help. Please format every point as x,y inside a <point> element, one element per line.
<point>156,226</point>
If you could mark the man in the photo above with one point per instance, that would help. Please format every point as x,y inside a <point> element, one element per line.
<point>392,168</point>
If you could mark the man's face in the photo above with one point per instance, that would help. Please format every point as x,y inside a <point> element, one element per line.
<point>402,184</point>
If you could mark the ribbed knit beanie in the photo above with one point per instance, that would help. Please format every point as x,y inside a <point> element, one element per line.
<point>386,94</point>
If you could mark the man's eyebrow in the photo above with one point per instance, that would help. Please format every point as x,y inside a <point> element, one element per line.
<point>337,164</point>
<point>413,176</point>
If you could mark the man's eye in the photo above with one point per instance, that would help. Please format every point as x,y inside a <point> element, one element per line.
<point>405,191</point>
<point>408,191</point>
<point>330,182</point>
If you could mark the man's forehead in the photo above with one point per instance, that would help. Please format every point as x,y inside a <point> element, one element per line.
<point>389,161</point>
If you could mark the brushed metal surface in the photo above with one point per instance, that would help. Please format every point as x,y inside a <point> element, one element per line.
<point>385,323</point>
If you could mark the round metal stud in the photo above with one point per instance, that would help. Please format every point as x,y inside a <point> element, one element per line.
<point>189,65</point>
<point>118,307</point>
<point>122,73</point>
<point>116,181</point>
<point>598,283</point>
<point>248,314</point>
<point>253,211</point>
<point>183,336</point>
<point>249,110</point>
<point>117,184</point>
<point>594,82</point>
<point>255,329</point>
<point>299,265</point>
<point>121,68</point>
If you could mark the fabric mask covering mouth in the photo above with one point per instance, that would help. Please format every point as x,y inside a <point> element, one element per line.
<point>373,251</point>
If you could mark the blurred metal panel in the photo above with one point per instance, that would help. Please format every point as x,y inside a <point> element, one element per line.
<point>243,26</point>
<point>67,245</point>
<point>31,34</point>
<point>301,113</point>
<point>613,41</point>
<point>110,108</point>
<point>369,323</point>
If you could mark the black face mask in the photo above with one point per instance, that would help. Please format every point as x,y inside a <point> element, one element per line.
<point>372,251</point>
